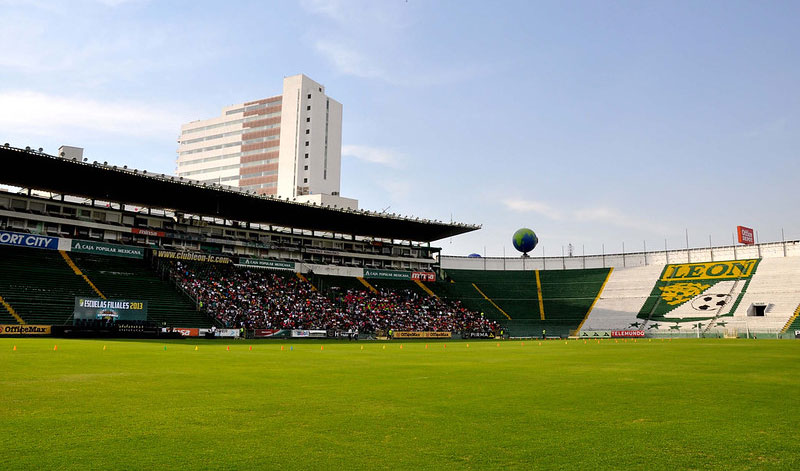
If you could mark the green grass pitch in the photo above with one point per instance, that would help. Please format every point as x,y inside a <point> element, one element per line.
<point>701,404</point>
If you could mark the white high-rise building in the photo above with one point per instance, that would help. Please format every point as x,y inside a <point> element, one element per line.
<point>289,145</point>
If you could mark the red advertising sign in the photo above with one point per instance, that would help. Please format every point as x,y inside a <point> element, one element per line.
<point>148,232</point>
<point>745,235</point>
<point>266,332</point>
<point>627,333</point>
<point>423,275</point>
<point>187,332</point>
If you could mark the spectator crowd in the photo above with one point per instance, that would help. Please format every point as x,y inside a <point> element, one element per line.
<point>259,299</point>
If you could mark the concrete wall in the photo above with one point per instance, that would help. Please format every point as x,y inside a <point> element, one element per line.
<point>636,259</point>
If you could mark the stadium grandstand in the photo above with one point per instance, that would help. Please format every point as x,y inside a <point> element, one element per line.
<point>80,243</point>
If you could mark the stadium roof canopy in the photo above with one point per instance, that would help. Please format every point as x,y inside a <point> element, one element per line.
<point>39,171</point>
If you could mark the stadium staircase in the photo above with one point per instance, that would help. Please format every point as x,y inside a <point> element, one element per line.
<point>366,284</point>
<point>424,288</point>
<point>306,280</point>
<point>793,323</point>
<point>121,278</point>
<point>528,302</point>
<point>8,315</point>
<point>39,286</point>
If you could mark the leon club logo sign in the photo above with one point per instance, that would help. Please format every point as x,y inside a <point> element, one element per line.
<point>690,292</point>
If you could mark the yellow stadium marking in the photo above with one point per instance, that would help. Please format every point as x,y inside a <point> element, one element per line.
<point>80,273</point>
<point>300,275</point>
<point>366,283</point>
<point>599,293</point>
<point>539,294</point>
<point>425,288</point>
<point>11,311</point>
<point>70,263</point>
<point>492,302</point>
<point>791,319</point>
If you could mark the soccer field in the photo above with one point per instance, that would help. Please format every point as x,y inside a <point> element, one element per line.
<point>711,404</point>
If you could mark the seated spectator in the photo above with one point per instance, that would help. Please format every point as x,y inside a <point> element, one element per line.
<point>257,299</point>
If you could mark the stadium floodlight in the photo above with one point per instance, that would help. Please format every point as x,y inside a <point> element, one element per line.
<point>41,149</point>
<point>85,159</point>
<point>6,144</point>
<point>28,148</point>
<point>144,171</point>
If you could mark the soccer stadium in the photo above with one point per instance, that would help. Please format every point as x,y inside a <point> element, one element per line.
<point>144,293</point>
<point>203,266</point>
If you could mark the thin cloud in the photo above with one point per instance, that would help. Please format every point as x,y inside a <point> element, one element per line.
<point>527,206</point>
<point>375,155</point>
<point>348,61</point>
<point>615,217</point>
<point>41,114</point>
<point>601,215</point>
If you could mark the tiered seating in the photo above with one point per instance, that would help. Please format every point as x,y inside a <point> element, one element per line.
<point>6,317</point>
<point>794,324</point>
<point>567,296</point>
<point>777,284</point>
<point>39,285</point>
<point>774,284</point>
<point>332,282</point>
<point>120,278</point>
<point>622,298</point>
<point>381,283</point>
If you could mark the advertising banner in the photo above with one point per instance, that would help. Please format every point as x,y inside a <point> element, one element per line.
<point>317,334</point>
<point>110,309</point>
<point>229,333</point>
<point>24,329</point>
<point>627,333</point>
<point>422,335</point>
<point>28,240</point>
<point>478,335</point>
<point>191,256</point>
<point>745,235</point>
<point>191,332</point>
<point>148,232</point>
<point>595,334</point>
<point>423,275</point>
<point>83,246</point>
<point>387,274</point>
<point>262,263</point>
<point>263,333</point>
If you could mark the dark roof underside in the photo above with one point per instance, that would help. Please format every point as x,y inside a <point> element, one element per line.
<point>57,175</point>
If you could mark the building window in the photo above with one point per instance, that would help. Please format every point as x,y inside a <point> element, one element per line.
<point>308,108</point>
<point>309,96</point>
<point>305,168</point>
<point>306,155</point>
<point>306,143</point>
<point>305,180</point>
<point>308,120</point>
<point>308,131</point>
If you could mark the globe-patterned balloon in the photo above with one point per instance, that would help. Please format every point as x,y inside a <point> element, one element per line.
<point>525,240</point>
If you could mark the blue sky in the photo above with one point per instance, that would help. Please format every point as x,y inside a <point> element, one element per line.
<point>592,122</point>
